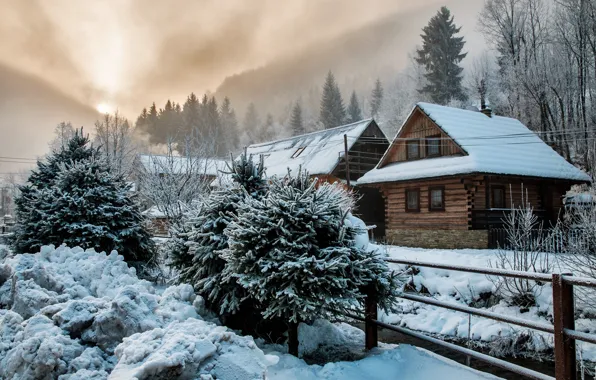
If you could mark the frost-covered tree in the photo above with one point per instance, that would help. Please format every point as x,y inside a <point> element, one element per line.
<point>81,203</point>
<point>333,111</point>
<point>113,136</point>
<point>440,55</point>
<point>30,204</point>
<point>354,112</point>
<point>90,207</point>
<point>376,99</point>
<point>63,133</point>
<point>198,243</point>
<point>296,123</point>
<point>295,253</point>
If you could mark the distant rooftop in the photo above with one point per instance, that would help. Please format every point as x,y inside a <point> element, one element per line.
<point>317,152</point>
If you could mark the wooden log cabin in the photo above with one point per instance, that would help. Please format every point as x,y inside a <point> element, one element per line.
<point>321,153</point>
<point>451,174</point>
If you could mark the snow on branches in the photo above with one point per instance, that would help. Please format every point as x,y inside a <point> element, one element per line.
<point>74,198</point>
<point>295,254</point>
<point>197,243</point>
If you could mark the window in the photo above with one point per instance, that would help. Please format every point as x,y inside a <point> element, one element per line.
<point>298,152</point>
<point>413,149</point>
<point>412,200</point>
<point>433,146</point>
<point>436,198</point>
<point>498,196</point>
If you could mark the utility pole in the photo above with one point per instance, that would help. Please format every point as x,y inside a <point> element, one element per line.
<point>347,159</point>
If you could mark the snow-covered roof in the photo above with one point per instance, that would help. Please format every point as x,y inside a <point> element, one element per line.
<point>493,145</point>
<point>179,164</point>
<point>317,152</point>
<point>153,212</point>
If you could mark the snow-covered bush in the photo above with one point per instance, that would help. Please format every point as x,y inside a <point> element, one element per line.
<point>74,314</point>
<point>525,239</point>
<point>577,231</point>
<point>74,199</point>
<point>197,246</point>
<point>295,253</point>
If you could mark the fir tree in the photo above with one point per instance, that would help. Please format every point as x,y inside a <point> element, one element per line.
<point>354,112</point>
<point>251,122</point>
<point>295,253</point>
<point>376,99</point>
<point>89,207</point>
<point>296,123</point>
<point>266,131</point>
<point>30,205</point>
<point>153,124</point>
<point>440,55</point>
<point>73,198</point>
<point>191,114</point>
<point>333,112</point>
<point>229,126</point>
<point>197,246</point>
<point>166,122</point>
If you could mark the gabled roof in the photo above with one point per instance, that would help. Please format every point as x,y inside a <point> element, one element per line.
<point>493,145</point>
<point>317,152</point>
<point>160,164</point>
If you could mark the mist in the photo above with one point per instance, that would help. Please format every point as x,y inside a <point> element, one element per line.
<point>129,53</point>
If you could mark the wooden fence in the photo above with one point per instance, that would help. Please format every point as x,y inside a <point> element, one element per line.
<point>551,240</point>
<point>563,327</point>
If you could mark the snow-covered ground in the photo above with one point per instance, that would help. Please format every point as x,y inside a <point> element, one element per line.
<point>73,314</point>
<point>469,288</point>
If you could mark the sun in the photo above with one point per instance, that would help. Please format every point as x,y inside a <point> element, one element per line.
<point>103,108</point>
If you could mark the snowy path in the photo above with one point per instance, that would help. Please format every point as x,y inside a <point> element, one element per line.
<point>404,362</point>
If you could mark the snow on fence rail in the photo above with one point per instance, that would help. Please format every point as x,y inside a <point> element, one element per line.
<point>563,316</point>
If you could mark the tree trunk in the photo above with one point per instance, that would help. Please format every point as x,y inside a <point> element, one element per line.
<point>293,338</point>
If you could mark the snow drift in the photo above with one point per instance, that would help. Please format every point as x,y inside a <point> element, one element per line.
<point>74,314</point>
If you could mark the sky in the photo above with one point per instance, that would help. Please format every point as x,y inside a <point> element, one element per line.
<point>127,53</point>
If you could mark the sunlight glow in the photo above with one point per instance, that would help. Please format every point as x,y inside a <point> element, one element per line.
<point>103,108</point>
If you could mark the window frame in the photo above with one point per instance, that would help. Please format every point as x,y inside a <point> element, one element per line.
<point>492,196</point>
<point>412,190</point>
<point>430,206</point>
<point>433,137</point>
<point>412,141</point>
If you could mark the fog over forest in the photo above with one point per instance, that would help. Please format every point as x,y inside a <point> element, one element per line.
<point>60,59</point>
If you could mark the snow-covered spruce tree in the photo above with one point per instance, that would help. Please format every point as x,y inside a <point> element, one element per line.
<point>197,244</point>
<point>295,253</point>
<point>440,55</point>
<point>354,112</point>
<point>333,111</point>
<point>85,205</point>
<point>31,206</point>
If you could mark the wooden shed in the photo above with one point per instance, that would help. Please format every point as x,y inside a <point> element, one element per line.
<point>451,174</point>
<point>322,154</point>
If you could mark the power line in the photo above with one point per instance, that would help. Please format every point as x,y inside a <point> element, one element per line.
<point>18,158</point>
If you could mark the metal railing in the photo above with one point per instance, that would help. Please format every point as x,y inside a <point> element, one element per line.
<point>563,328</point>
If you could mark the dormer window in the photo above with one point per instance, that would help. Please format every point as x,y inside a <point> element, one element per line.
<point>433,146</point>
<point>413,149</point>
<point>298,152</point>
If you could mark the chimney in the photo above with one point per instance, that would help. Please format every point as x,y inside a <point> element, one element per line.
<point>487,111</point>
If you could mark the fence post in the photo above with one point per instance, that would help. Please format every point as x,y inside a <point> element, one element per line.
<point>370,313</point>
<point>563,315</point>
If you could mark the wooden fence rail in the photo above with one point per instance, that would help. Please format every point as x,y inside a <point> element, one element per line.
<point>563,328</point>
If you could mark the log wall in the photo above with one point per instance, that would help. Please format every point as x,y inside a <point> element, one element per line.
<point>419,126</point>
<point>455,215</point>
